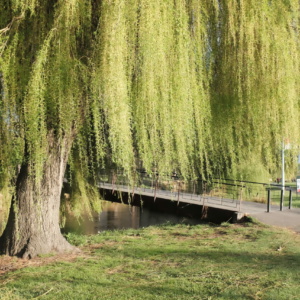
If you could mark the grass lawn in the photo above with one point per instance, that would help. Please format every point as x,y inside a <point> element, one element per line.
<point>246,261</point>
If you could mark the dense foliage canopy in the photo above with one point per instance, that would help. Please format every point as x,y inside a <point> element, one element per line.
<point>204,87</point>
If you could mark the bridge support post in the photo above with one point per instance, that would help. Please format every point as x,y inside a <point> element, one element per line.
<point>237,216</point>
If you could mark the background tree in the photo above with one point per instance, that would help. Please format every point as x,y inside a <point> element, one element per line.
<point>199,86</point>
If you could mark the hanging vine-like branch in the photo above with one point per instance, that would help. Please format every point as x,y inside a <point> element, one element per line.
<point>198,86</point>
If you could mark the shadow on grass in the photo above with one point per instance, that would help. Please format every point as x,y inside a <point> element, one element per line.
<point>237,258</point>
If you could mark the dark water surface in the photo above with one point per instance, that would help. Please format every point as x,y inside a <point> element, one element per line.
<point>118,216</point>
<point>122,216</point>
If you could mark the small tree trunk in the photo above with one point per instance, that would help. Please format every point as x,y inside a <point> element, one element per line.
<point>33,222</point>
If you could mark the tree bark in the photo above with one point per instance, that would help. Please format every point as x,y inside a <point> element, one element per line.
<point>33,223</point>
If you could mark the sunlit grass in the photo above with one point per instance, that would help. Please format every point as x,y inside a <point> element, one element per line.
<point>249,261</point>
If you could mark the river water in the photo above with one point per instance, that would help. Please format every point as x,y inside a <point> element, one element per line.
<point>118,216</point>
<point>122,216</point>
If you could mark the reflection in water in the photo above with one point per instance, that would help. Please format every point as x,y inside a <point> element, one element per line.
<point>121,216</point>
<point>117,216</point>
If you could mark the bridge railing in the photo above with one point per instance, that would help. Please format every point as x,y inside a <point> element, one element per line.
<point>225,191</point>
<point>173,188</point>
<point>272,194</point>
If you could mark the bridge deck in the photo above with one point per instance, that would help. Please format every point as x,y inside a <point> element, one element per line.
<point>203,200</point>
<point>286,218</point>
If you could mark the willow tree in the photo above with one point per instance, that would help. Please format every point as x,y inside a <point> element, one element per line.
<point>255,94</point>
<point>89,83</point>
<point>85,82</point>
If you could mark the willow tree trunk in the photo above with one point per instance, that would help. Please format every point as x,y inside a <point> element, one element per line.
<point>33,222</point>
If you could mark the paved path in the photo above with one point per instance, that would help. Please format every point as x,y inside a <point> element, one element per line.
<point>288,218</point>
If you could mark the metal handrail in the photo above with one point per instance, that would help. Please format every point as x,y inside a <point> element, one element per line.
<point>217,190</point>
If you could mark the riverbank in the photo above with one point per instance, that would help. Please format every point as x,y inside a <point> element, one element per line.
<point>230,261</point>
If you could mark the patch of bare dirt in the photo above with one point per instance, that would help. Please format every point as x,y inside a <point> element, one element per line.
<point>8,263</point>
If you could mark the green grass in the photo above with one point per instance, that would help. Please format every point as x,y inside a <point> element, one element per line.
<point>249,261</point>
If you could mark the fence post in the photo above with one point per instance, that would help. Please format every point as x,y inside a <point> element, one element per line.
<point>281,199</point>
<point>290,199</point>
<point>178,187</point>
<point>269,200</point>
<point>155,188</point>
<point>241,197</point>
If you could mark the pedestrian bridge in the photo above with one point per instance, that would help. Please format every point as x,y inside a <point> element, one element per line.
<point>177,196</point>
<point>235,199</point>
<point>217,196</point>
